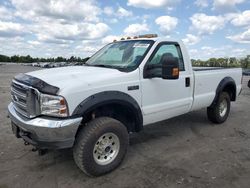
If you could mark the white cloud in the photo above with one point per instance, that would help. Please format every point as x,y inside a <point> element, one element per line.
<point>152,4</point>
<point>120,12</point>
<point>135,29</point>
<point>5,14</point>
<point>242,19</point>
<point>54,27</point>
<point>87,49</point>
<point>166,23</point>
<point>110,38</point>
<point>63,9</point>
<point>34,42</point>
<point>226,5</point>
<point>112,20</point>
<point>239,52</point>
<point>205,24</point>
<point>225,51</point>
<point>241,38</point>
<point>16,45</point>
<point>60,21</point>
<point>191,39</point>
<point>201,3</point>
<point>108,11</point>
<point>61,33</point>
<point>80,27</point>
<point>11,29</point>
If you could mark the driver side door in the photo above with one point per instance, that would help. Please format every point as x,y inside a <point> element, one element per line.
<point>162,98</point>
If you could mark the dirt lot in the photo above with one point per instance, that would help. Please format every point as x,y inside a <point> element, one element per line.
<point>187,151</point>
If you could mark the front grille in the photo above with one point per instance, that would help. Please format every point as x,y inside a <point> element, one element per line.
<point>24,99</point>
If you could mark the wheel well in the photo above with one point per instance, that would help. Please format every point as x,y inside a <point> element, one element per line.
<point>226,85</point>
<point>231,90</point>
<point>120,112</point>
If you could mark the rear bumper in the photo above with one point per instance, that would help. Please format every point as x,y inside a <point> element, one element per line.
<point>45,132</point>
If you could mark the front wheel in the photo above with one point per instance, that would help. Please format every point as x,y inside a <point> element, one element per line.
<point>100,146</point>
<point>219,113</point>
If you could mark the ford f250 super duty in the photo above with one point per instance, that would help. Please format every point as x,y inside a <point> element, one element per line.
<point>124,86</point>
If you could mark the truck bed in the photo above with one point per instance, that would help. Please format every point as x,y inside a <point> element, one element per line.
<point>206,81</point>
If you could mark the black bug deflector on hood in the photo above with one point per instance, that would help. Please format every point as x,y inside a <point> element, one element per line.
<point>36,83</point>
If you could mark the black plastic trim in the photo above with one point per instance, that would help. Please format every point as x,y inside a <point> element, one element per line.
<point>135,87</point>
<point>108,97</point>
<point>49,144</point>
<point>224,83</point>
<point>36,83</point>
<point>187,81</point>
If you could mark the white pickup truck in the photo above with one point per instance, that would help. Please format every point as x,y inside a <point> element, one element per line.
<point>124,86</point>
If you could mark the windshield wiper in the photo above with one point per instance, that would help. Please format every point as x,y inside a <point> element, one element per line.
<point>101,65</point>
<point>105,66</point>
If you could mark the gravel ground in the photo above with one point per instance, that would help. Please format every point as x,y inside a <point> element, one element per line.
<point>187,151</point>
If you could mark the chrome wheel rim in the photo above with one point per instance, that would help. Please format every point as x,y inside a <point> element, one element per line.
<point>223,108</point>
<point>106,149</point>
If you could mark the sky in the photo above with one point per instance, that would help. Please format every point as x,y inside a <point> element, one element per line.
<point>51,28</point>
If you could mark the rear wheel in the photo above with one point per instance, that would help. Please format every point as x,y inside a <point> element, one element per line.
<point>100,146</point>
<point>219,112</point>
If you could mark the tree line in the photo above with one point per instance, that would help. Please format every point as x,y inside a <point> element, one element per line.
<point>223,62</point>
<point>212,62</point>
<point>29,59</point>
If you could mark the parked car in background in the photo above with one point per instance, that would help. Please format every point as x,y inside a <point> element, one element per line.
<point>246,72</point>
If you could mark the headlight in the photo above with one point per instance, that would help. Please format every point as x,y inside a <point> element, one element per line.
<point>53,105</point>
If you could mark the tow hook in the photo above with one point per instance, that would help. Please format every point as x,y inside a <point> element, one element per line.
<point>34,149</point>
<point>41,152</point>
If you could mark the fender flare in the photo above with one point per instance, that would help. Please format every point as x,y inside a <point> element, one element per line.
<point>108,97</point>
<point>225,82</point>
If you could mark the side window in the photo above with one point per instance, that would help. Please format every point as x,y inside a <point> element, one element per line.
<point>171,50</point>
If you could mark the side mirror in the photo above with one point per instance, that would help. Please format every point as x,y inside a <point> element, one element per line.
<point>170,68</point>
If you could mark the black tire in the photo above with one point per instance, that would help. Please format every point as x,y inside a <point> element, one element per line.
<point>214,113</point>
<point>86,141</point>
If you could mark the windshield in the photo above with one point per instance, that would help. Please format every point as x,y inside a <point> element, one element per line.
<point>122,55</point>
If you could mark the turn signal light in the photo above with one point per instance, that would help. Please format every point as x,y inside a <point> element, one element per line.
<point>175,72</point>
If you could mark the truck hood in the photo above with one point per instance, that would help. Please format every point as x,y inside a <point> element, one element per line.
<point>84,75</point>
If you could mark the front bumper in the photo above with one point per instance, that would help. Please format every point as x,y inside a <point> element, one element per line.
<point>45,132</point>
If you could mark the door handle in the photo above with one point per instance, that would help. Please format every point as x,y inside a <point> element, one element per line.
<point>187,81</point>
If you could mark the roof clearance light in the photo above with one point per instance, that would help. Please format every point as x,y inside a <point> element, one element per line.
<point>148,36</point>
